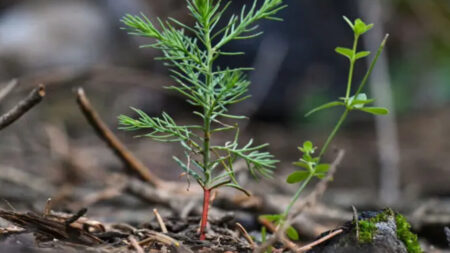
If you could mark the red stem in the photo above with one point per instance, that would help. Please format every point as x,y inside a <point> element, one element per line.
<point>204,222</point>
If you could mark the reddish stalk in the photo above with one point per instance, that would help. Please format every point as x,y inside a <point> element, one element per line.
<point>204,222</point>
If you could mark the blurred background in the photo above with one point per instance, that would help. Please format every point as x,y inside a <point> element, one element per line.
<point>400,160</point>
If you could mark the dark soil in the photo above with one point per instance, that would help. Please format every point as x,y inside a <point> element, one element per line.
<point>57,232</point>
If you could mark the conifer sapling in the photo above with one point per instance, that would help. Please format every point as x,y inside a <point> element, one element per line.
<point>190,52</point>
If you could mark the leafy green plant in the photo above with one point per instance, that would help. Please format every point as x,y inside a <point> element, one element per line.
<point>310,163</point>
<point>190,53</point>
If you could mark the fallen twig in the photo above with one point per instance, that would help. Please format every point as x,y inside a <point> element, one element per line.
<point>320,240</point>
<point>273,228</point>
<point>54,227</point>
<point>266,223</point>
<point>22,107</point>
<point>113,142</point>
<point>246,235</point>
<point>160,221</point>
<point>8,88</point>
<point>47,207</point>
<point>76,216</point>
<point>11,230</point>
<point>136,245</point>
<point>162,238</point>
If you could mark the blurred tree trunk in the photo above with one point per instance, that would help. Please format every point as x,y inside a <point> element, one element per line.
<point>386,126</point>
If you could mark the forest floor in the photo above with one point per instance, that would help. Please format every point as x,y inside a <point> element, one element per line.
<point>102,201</point>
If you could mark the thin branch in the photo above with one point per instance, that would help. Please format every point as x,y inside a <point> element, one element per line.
<point>76,216</point>
<point>48,207</point>
<point>130,161</point>
<point>160,221</point>
<point>320,240</point>
<point>22,107</point>
<point>136,245</point>
<point>53,227</point>
<point>8,88</point>
<point>161,238</point>
<point>277,236</point>
<point>246,235</point>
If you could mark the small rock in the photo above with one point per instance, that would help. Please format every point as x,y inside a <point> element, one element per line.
<point>381,228</point>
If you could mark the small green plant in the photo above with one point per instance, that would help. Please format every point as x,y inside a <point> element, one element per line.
<point>310,163</point>
<point>190,53</point>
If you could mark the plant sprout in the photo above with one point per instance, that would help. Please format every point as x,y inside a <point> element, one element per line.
<point>190,52</point>
<point>310,164</point>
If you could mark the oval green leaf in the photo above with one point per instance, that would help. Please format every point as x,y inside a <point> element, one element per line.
<point>271,217</point>
<point>347,52</point>
<point>307,146</point>
<point>361,103</point>
<point>292,233</point>
<point>362,54</point>
<point>322,168</point>
<point>375,110</point>
<point>360,97</point>
<point>297,176</point>
<point>324,106</point>
<point>301,164</point>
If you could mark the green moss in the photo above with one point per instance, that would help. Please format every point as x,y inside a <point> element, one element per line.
<point>406,236</point>
<point>367,230</point>
<point>367,227</point>
<point>384,216</point>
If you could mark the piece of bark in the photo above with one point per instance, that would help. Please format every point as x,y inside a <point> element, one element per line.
<point>48,228</point>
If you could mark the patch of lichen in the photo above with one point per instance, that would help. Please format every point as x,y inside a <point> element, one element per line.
<point>406,236</point>
<point>367,227</point>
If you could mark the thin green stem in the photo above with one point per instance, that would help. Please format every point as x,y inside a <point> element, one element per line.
<point>352,66</point>
<point>372,65</point>
<point>312,172</point>
<point>297,194</point>
<point>206,148</point>
<point>333,133</point>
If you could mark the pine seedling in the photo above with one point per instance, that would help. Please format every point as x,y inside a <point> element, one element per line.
<point>310,164</point>
<point>190,52</point>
